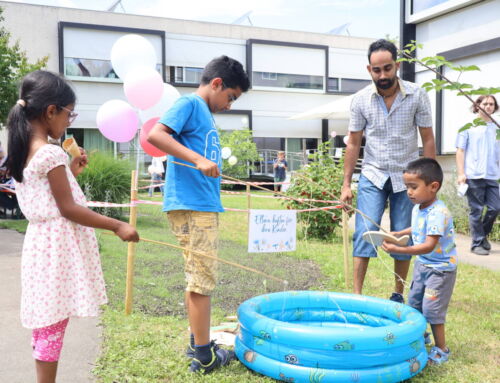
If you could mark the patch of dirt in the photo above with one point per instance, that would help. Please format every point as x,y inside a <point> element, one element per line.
<point>164,294</point>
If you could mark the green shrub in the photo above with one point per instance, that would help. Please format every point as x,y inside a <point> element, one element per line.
<point>106,179</point>
<point>243,148</point>
<point>326,177</point>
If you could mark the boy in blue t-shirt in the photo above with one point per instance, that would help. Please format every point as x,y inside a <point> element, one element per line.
<point>187,132</point>
<point>435,268</point>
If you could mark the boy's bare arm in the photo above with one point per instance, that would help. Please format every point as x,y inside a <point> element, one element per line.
<point>400,233</point>
<point>160,136</point>
<point>423,248</point>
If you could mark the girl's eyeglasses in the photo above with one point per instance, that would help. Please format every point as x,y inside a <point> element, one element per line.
<point>71,114</point>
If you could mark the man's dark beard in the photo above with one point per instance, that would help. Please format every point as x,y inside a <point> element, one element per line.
<point>385,83</point>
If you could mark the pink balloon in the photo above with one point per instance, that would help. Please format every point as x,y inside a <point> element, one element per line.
<point>143,87</point>
<point>169,96</point>
<point>153,151</point>
<point>117,121</point>
<point>346,140</point>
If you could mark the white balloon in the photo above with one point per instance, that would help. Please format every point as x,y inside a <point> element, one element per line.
<point>232,160</point>
<point>346,140</point>
<point>131,51</point>
<point>226,152</point>
<point>333,133</point>
<point>244,121</point>
<point>169,96</point>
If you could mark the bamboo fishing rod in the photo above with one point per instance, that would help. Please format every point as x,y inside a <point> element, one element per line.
<point>234,264</point>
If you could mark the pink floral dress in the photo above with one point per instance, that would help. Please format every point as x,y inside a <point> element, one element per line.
<point>61,271</point>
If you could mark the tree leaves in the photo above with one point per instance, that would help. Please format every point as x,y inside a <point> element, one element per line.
<point>14,66</point>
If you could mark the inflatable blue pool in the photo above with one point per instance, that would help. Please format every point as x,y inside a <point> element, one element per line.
<point>323,337</point>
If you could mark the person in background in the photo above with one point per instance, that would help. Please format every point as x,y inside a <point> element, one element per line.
<point>280,167</point>
<point>478,157</point>
<point>156,170</point>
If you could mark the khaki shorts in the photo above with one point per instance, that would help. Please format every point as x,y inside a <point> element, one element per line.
<point>197,230</point>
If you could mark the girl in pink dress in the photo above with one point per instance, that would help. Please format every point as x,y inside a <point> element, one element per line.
<point>61,270</point>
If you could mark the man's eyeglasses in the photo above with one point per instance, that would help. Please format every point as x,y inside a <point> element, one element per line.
<point>71,114</point>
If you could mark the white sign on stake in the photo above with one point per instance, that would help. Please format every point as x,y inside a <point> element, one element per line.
<point>272,231</point>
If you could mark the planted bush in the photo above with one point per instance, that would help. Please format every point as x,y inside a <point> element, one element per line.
<point>106,179</point>
<point>321,180</point>
<point>243,148</point>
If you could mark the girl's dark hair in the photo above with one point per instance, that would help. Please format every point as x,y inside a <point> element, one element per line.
<point>230,70</point>
<point>39,89</point>
<point>479,100</point>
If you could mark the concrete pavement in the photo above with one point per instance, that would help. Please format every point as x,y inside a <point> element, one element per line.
<point>83,335</point>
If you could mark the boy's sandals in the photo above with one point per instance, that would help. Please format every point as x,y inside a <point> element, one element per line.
<point>442,358</point>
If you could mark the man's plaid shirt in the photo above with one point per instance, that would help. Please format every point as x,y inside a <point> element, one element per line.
<point>391,137</point>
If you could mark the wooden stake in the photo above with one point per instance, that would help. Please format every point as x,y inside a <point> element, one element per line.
<point>345,242</point>
<point>249,202</point>
<point>131,246</point>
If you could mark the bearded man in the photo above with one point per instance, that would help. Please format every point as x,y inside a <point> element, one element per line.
<point>390,113</point>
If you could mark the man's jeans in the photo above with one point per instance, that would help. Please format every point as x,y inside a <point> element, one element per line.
<point>371,201</point>
<point>481,193</point>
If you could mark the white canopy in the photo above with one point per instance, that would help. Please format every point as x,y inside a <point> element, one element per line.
<point>334,110</point>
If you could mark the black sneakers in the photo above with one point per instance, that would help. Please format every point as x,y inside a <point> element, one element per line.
<point>190,349</point>
<point>486,245</point>
<point>397,297</point>
<point>480,250</point>
<point>220,357</point>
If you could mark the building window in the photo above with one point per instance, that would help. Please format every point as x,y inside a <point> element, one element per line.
<point>186,75</point>
<point>419,5</point>
<point>346,85</point>
<point>421,10</point>
<point>269,76</point>
<point>79,67</point>
<point>350,85</point>
<point>285,80</point>
<point>333,84</point>
<point>269,143</point>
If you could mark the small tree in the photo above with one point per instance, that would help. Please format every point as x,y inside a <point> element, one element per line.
<point>243,148</point>
<point>320,180</point>
<point>14,65</point>
<point>434,64</point>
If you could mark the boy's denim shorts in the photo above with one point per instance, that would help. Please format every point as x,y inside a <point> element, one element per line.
<point>430,292</point>
<point>197,230</point>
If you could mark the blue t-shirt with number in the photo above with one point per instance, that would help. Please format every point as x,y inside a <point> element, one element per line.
<point>194,127</point>
<point>435,220</point>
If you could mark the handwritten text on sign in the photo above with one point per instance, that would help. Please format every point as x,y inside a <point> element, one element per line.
<point>272,231</point>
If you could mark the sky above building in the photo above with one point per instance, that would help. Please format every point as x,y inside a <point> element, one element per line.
<point>361,18</point>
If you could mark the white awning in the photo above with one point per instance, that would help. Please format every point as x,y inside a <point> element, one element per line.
<point>334,110</point>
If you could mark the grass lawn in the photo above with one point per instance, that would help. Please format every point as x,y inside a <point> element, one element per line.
<point>148,346</point>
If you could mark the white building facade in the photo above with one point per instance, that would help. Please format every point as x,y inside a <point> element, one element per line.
<point>290,71</point>
<point>465,32</point>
